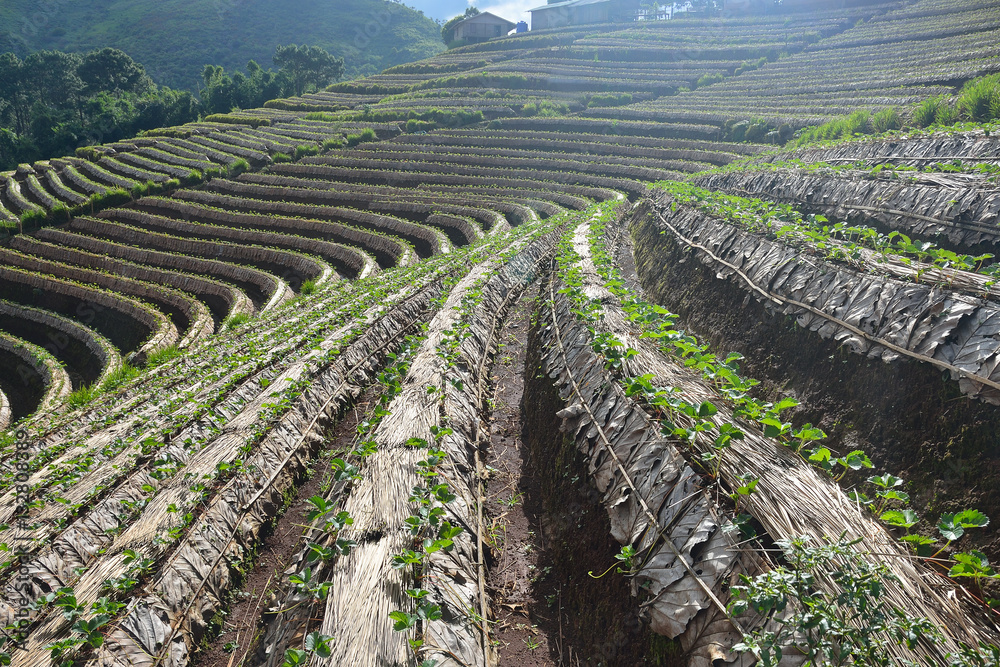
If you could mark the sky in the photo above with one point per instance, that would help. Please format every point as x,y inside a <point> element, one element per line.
<point>512,10</point>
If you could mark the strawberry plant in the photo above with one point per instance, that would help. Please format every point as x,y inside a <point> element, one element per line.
<point>858,626</point>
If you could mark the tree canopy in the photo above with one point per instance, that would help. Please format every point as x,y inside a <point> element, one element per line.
<point>308,65</point>
<point>112,70</point>
<point>173,39</point>
<point>52,102</point>
<point>224,92</point>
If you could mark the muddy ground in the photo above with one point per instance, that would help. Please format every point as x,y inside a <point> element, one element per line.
<point>596,620</point>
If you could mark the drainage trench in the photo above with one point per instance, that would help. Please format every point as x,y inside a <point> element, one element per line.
<point>557,532</point>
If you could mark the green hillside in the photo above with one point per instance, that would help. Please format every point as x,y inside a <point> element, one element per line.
<point>175,38</point>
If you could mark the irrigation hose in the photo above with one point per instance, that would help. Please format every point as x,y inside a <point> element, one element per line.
<point>976,226</point>
<point>887,158</point>
<point>780,300</point>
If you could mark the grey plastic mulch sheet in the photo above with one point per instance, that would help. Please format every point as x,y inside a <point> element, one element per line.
<point>971,146</point>
<point>193,582</point>
<point>957,330</point>
<point>962,209</point>
<point>674,603</point>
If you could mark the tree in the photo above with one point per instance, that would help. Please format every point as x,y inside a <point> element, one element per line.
<point>12,99</point>
<point>166,108</point>
<point>706,6</point>
<point>50,78</point>
<point>308,65</point>
<point>8,146</point>
<point>448,29</point>
<point>263,85</point>
<point>210,73</point>
<point>52,103</point>
<point>10,76</point>
<point>218,94</point>
<point>223,93</point>
<point>113,71</point>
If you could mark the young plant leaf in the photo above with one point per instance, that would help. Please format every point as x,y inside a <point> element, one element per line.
<point>706,409</point>
<point>972,564</point>
<point>972,519</point>
<point>901,519</point>
<point>403,621</point>
<point>855,460</point>
<point>949,529</point>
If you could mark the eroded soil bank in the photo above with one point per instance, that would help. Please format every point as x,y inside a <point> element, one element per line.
<point>21,385</point>
<point>911,420</point>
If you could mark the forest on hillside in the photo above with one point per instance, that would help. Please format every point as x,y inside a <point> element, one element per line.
<point>174,39</point>
<point>51,103</point>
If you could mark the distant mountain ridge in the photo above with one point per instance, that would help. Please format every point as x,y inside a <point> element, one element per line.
<point>174,39</point>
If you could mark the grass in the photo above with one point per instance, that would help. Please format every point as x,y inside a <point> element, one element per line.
<point>934,111</point>
<point>33,220</point>
<point>543,109</point>
<point>236,321</point>
<point>237,168</point>
<point>321,116</point>
<point>238,120</point>
<point>84,395</point>
<point>413,126</point>
<point>161,357</point>
<point>709,79</point>
<point>886,120</point>
<point>61,213</point>
<point>303,150</point>
<point>980,99</point>
<point>139,190</point>
<point>859,122</point>
<point>367,135</point>
<point>113,197</point>
<point>978,102</point>
<point>609,100</point>
<point>308,287</point>
<point>125,374</point>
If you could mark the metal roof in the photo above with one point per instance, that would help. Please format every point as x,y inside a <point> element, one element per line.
<point>482,15</point>
<point>568,3</point>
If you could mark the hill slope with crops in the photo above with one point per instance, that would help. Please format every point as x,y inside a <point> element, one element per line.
<point>673,342</point>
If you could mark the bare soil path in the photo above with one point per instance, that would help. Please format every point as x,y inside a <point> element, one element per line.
<point>526,631</point>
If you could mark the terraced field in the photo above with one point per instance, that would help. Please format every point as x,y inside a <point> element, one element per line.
<point>392,373</point>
